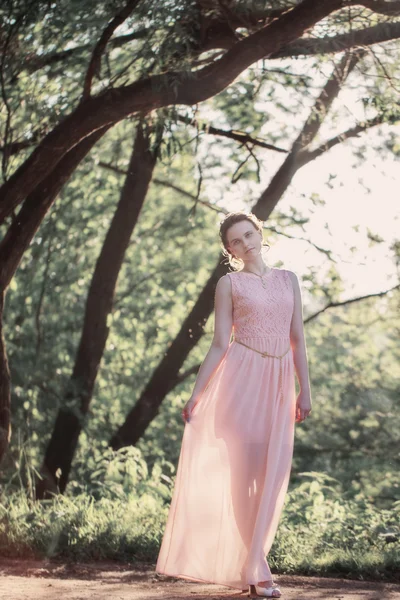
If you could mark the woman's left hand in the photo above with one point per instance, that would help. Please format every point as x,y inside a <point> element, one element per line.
<point>303,406</point>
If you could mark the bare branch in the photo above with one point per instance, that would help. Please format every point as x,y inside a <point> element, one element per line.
<point>113,168</point>
<point>328,94</point>
<point>95,61</point>
<point>232,134</point>
<point>167,184</point>
<point>391,8</point>
<point>306,156</point>
<point>15,147</point>
<point>377,34</point>
<point>180,190</point>
<point>327,253</point>
<point>257,17</point>
<point>386,74</point>
<point>237,175</point>
<point>35,63</point>
<point>350,301</point>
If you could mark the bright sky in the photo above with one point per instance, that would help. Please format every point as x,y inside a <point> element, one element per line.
<point>348,205</point>
<point>349,210</point>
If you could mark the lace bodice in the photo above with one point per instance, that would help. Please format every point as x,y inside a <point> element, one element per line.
<point>258,311</point>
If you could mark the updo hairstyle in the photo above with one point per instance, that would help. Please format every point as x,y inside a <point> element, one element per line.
<point>230,219</point>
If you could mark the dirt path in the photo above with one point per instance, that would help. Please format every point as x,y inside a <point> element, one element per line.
<point>22,580</point>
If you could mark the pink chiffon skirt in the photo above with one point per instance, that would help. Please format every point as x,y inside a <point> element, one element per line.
<point>233,469</point>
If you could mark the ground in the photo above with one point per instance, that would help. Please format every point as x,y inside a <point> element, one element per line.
<point>45,580</point>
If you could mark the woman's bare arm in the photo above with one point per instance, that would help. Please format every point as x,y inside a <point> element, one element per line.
<point>222,333</point>
<point>298,344</point>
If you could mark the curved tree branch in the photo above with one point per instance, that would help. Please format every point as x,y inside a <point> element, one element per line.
<point>350,301</point>
<point>391,8</point>
<point>20,233</point>
<point>238,136</point>
<point>306,156</point>
<point>384,32</point>
<point>167,184</point>
<point>185,88</point>
<point>324,101</point>
<point>148,94</point>
<point>35,63</point>
<point>95,61</point>
<point>220,38</point>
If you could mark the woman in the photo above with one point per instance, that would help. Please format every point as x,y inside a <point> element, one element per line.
<point>237,445</point>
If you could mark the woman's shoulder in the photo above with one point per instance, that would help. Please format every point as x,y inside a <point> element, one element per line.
<point>292,275</point>
<point>224,281</point>
<point>288,271</point>
<point>229,281</point>
<point>228,275</point>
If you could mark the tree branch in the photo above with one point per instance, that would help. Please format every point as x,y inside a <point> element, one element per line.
<point>391,8</point>
<point>168,185</point>
<point>383,7</point>
<point>95,61</point>
<point>327,253</point>
<point>306,156</point>
<point>226,40</point>
<point>16,147</point>
<point>35,63</point>
<point>148,94</point>
<point>23,228</point>
<point>292,163</point>
<point>232,134</point>
<point>328,94</point>
<point>344,302</point>
<point>377,34</point>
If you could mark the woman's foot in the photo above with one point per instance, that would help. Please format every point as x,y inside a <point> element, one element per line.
<point>268,588</point>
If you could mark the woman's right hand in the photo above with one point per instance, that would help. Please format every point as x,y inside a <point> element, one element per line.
<point>187,409</point>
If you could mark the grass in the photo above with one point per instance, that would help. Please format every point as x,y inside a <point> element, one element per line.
<point>120,515</point>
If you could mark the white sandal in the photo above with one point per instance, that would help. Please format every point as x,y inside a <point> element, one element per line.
<point>268,592</point>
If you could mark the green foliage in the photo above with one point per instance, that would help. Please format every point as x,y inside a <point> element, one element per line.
<point>354,365</point>
<point>321,531</point>
<point>118,514</point>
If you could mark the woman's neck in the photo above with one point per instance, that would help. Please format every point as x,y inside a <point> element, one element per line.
<point>256,266</point>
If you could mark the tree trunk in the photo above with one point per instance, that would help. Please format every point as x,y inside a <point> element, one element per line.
<point>12,248</point>
<point>24,226</point>
<point>5,406</point>
<point>71,417</point>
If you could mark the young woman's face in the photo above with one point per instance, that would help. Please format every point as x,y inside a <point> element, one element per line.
<point>244,241</point>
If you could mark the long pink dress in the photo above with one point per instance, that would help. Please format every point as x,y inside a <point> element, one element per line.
<point>236,453</point>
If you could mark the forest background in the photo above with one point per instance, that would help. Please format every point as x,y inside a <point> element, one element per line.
<point>128,131</point>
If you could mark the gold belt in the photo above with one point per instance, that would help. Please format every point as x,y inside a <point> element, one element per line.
<point>265,354</point>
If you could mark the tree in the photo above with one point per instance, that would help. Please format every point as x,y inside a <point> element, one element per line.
<point>71,416</point>
<point>214,45</point>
